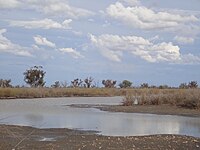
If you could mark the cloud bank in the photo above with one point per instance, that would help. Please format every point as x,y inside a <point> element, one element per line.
<point>145,18</point>
<point>113,47</point>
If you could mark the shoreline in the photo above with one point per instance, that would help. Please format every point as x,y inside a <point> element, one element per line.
<point>153,109</point>
<point>146,109</point>
<point>21,137</point>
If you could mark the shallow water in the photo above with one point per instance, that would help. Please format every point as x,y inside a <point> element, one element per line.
<point>53,113</point>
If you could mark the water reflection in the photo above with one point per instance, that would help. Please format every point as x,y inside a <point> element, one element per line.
<point>107,123</point>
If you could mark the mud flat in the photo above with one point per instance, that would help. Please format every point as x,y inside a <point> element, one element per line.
<point>22,138</point>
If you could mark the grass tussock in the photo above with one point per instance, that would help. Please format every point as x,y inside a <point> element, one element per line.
<point>186,98</point>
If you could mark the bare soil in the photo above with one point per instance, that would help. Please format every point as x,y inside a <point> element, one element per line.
<point>23,138</point>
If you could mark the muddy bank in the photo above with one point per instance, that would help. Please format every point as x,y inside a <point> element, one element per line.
<point>21,138</point>
<point>153,109</point>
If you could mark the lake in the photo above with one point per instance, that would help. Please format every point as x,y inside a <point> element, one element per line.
<point>57,113</point>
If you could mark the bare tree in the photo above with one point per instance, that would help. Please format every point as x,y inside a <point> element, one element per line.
<point>5,83</point>
<point>183,86</point>
<point>193,84</point>
<point>63,84</point>
<point>56,85</point>
<point>88,82</point>
<point>144,85</point>
<point>76,83</point>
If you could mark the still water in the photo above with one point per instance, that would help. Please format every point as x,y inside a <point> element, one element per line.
<point>56,113</point>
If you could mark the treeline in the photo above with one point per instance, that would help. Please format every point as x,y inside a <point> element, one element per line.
<point>34,77</point>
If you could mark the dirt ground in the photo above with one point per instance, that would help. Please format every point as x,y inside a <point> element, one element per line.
<point>154,109</point>
<point>27,138</point>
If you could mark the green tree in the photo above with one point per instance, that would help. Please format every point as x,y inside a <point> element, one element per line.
<point>35,76</point>
<point>125,84</point>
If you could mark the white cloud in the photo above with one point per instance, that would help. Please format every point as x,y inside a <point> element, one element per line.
<point>184,40</point>
<point>72,52</point>
<point>144,18</point>
<point>57,8</point>
<point>113,47</point>
<point>39,40</point>
<point>49,7</point>
<point>9,3</point>
<point>131,2</point>
<point>44,24</point>
<point>165,52</point>
<point>8,47</point>
<point>190,59</point>
<point>111,55</point>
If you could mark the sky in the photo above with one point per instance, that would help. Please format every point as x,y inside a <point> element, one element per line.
<point>154,41</point>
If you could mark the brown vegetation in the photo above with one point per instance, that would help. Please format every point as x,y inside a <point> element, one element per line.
<point>58,92</point>
<point>188,98</point>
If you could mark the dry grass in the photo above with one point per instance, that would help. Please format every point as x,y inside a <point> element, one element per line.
<point>188,98</point>
<point>58,92</point>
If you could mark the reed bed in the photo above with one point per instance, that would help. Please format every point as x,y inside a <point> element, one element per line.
<point>6,93</point>
<point>187,98</point>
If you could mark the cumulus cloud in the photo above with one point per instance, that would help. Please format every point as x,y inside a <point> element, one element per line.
<point>184,40</point>
<point>39,40</point>
<point>74,53</point>
<point>43,24</point>
<point>8,47</point>
<point>113,47</point>
<point>9,4</point>
<point>144,18</point>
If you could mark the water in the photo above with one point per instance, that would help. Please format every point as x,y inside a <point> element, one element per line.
<point>55,113</point>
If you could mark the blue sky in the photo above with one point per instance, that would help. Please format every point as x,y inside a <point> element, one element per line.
<point>154,41</point>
